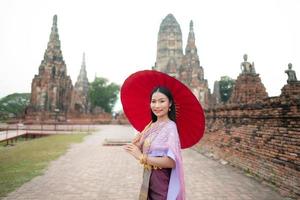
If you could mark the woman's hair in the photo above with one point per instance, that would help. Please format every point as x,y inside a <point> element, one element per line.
<point>167,92</point>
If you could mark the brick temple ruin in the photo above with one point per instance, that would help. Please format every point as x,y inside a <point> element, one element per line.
<point>257,133</point>
<point>53,97</point>
<point>80,102</point>
<point>185,67</point>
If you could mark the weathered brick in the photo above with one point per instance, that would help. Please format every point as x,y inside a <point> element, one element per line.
<point>267,142</point>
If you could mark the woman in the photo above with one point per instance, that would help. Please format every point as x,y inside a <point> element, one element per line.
<point>158,145</point>
<point>157,148</point>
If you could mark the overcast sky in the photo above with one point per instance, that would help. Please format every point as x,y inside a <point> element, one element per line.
<point>120,37</point>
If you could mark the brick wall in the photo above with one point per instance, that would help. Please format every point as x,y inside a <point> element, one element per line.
<point>262,138</point>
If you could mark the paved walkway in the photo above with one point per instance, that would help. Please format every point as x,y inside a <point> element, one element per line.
<point>91,171</point>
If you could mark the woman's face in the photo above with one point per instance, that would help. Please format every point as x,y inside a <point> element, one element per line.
<point>160,104</point>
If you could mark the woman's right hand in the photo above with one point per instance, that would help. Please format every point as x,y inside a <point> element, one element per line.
<point>133,150</point>
<point>137,138</point>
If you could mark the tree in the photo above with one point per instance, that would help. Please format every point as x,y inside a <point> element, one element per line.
<point>226,86</point>
<point>13,105</point>
<point>103,94</point>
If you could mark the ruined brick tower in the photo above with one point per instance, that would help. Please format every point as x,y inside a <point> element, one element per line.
<point>171,60</point>
<point>80,103</point>
<point>191,73</point>
<point>51,89</point>
<point>169,47</point>
<point>248,86</point>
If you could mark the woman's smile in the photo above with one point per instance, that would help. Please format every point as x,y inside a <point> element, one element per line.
<point>160,105</point>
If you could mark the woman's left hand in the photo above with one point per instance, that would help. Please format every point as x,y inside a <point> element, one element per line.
<point>133,150</point>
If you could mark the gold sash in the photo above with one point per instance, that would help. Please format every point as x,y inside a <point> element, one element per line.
<point>146,174</point>
<point>145,185</point>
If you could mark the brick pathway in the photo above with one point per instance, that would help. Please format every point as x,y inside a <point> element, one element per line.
<point>91,171</point>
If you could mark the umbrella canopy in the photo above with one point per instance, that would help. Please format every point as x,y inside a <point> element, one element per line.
<point>135,98</point>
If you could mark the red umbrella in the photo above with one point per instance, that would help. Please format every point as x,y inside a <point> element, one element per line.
<point>135,98</point>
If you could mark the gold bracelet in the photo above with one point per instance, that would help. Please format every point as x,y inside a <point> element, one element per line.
<point>144,161</point>
<point>141,159</point>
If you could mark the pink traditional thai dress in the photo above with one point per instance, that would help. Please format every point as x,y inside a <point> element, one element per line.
<point>162,139</point>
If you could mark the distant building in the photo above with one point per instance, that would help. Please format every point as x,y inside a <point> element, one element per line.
<point>80,101</point>
<point>185,67</point>
<point>52,92</point>
<point>51,89</point>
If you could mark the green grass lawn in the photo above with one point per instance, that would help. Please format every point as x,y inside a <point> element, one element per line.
<point>27,159</point>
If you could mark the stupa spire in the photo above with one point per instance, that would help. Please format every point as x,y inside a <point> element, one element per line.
<point>82,77</point>
<point>80,102</point>
<point>54,37</point>
<point>191,46</point>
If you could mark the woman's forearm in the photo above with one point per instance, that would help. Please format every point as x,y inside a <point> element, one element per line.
<point>162,162</point>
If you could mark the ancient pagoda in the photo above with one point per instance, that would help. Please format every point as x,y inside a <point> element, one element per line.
<point>51,89</point>
<point>185,67</point>
<point>191,73</point>
<point>80,103</point>
<point>169,47</point>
